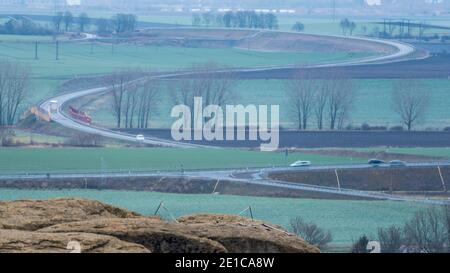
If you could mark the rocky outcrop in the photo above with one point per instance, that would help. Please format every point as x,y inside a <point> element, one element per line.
<point>156,235</point>
<point>33,215</point>
<point>16,241</point>
<point>242,235</point>
<point>205,233</point>
<point>47,226</point>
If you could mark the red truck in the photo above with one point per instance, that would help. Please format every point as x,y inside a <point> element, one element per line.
<point>79,115</point>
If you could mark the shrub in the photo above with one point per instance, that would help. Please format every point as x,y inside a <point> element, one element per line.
<point>391,239</point>
<point>397,128</point>
<point>365,127</point>
<point>311,233</point>
<point>360,246</point>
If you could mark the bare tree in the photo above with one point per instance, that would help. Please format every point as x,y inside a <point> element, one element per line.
<point>83,21</point>
<point>426,231</point>
<point>68,20</point>
<point>57,21</point>
<point>321,101</point>
<point>139,103</point>
<point>310,232</point>
<point>129,105</point>
<point>149,92</point>
<point>410,101</point>
<point>6,136</point>
<point>391,239</point>
<point>206,82</point>
<point>340,101</point>
<point>14,84</point>
<point>301,97</point>
<point>119,83</point>
<point>446,219</point>
<point>360,246</point>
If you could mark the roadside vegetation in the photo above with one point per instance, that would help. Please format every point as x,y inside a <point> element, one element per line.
<point>428,231</point>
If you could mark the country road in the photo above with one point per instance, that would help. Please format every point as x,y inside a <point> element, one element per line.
<point>252,176</point>
<point>65,120</point>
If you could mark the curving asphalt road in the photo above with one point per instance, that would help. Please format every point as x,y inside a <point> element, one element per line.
<point>403,50</point>
<point>254,177</point>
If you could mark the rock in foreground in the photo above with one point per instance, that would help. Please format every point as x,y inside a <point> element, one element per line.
<point>156,235</point>
<point>242,235</point>
<point>47,226</point>
<point>15,241</point>
<point>33,215</point>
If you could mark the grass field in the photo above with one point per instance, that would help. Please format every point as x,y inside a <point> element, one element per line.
<point>75,59</point>
<point>95,159</point>
<point>372,103</point>
<point>347,220</point>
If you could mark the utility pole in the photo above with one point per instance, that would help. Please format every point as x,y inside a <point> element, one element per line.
<point>334,10</point>
<point>92,48</point>
<point>57,50</point>
<point>36,50</point>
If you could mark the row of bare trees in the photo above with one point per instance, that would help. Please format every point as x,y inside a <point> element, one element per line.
<point>329,97</point>
<point>329,100</point>
<point>213,88</point>
<point>14,86</point>
<point>428,231</point>
<point>133,101</point>
<point>325,100</point>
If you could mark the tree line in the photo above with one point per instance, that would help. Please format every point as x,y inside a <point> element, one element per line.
<point>347,26</point>
<point>428,231</point>
<point>20,25</point>
<point>14,87</point>
<point>328,101</point>
<point>132,103</point>
<point>119,23</point>
<point>315,100</point>
<point>239,19</point>
<point>66,20</point>
<point>328,98</point>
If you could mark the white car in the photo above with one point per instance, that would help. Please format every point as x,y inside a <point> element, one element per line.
<point>301,164</point>
<point>140,138</point>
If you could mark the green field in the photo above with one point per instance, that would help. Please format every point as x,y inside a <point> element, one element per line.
<point>372,103</point>
<point>75,59</point>
<point>347,220</point>
<point>151,159</point>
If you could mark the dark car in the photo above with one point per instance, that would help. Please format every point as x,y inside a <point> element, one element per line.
<point>376,162</point>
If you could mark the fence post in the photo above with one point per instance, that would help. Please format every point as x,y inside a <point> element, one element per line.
<point>337,179</point>
<point>159,207</point>
<point>444,187</point>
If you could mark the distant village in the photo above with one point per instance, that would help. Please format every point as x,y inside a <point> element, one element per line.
<point>301,7</point>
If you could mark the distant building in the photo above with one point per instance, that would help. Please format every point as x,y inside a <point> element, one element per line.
<point>373,2</point>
